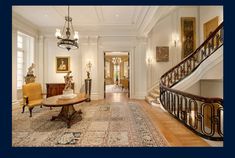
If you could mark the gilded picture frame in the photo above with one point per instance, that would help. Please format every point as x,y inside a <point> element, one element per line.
<point>162,54</point>
<point>62,64</point>
<point>188,35</point>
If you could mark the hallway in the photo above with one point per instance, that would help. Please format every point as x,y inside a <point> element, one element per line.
<point>132,52</point>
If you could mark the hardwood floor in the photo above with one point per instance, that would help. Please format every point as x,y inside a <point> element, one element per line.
<point>175,133</point>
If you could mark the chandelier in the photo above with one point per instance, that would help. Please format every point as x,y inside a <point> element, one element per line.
<point>64,40</point>
<point>116,60</point>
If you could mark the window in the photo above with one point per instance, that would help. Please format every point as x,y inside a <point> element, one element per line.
<point>20,61</point>
<point>20,70</point>
<point>25,51</point>
<point>19,41</point>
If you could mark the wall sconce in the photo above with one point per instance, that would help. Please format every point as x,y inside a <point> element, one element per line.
<point>149,60</point>
<point>88,65</point>
<point>175,38</point>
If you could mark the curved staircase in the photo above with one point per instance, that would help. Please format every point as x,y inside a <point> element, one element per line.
<point>204,116</point>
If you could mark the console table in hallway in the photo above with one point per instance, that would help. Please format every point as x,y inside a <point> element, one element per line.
<point>54,89</point>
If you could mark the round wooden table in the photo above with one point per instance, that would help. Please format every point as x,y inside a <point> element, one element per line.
<point>67,112</point>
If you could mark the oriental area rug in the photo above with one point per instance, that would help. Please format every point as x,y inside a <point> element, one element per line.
<point>103,125</point>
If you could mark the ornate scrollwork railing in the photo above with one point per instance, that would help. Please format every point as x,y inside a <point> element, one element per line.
<point>202,115</point>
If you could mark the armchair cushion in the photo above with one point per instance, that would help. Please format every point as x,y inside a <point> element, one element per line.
<point>33,91</point>
<point>33,103</point>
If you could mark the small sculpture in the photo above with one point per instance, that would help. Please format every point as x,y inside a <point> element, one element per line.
<point>30,69</point>
<point>88,67</point>
<point>30,77</point>
<point>88,74</point>
<point>68,92</point>
<point>68,81</point>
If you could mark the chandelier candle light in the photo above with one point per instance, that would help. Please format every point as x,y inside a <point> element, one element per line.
<point>64,40</point>
<point>116,60</point>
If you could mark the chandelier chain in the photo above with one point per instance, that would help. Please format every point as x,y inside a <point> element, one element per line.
<point>65,40</point>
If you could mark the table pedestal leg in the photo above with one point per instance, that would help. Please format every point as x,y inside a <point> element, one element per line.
<point>67,114</point>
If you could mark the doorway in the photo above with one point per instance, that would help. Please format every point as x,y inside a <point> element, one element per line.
<point>116,74</point>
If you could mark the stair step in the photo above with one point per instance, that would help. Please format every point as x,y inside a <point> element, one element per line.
<point>154,94</point>
<point>149,99</point>
<point>156,101</point>
<point>157,90</point>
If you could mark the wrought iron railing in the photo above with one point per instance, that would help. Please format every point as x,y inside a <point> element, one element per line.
<point>202,115</point>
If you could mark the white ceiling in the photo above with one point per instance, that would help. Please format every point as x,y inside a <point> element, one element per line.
<point>133,19</point>
<point>53,16</point>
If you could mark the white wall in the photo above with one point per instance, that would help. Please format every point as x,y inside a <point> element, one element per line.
<point>207,13</point>
<point>51,51</point>
<point>161,35</point>
<point>89,53</point>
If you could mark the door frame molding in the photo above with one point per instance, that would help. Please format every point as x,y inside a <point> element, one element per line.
<point>129,69</point>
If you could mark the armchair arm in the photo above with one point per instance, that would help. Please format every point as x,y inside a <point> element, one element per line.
<point>25,100</point>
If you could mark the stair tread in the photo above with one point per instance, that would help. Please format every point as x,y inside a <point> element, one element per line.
<point>154,95</point>
<point>157,90</point>
<point>149,99</point>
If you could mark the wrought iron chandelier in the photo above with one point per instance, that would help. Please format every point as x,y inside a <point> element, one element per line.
<point>116,60</point>
<point>64,40</point>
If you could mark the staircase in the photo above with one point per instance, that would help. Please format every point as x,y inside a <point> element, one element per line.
<point>153,96</point>
<point>203,116</point>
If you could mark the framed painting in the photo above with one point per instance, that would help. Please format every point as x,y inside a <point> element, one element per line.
<point>210,27</point>
<point>162,54</point>
<point>188,35</point>
<point>62,64</point>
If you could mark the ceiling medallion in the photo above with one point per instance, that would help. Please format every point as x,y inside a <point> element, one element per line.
<point>64,40</point>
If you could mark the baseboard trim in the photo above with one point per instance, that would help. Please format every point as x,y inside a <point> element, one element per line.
<point>95,96</point>
<point>15,102</point>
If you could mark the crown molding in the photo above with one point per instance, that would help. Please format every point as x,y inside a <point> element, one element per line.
<point>153,16</point>
<point>21,24</point>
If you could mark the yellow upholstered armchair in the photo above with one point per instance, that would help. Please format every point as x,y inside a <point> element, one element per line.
<point>32,96</point>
